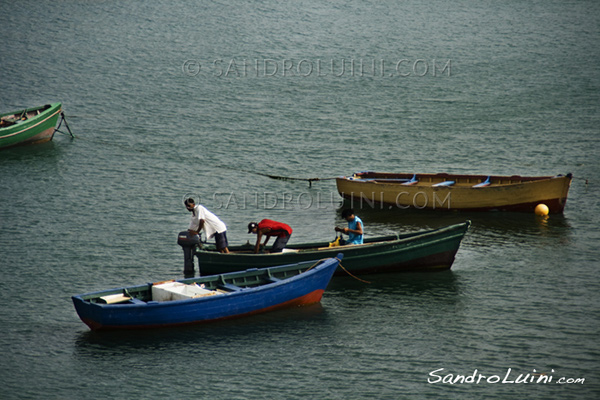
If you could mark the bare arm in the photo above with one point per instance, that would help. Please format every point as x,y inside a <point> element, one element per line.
<point>259,234</point>
<point>358,230</point>
<point>257,245</point>
<point>200,226</point>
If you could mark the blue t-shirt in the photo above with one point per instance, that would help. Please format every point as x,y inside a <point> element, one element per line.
<point>354,238</point>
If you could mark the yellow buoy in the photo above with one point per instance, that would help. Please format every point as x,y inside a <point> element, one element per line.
<point>541,209</point>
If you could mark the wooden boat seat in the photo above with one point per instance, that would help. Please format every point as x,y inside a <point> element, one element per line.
<point>230,287</point>
<point>115,298</point>
<point>442,184</point>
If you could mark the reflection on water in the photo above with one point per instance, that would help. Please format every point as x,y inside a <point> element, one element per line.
<point>241,330</point>
<point>487,229</point>
<point>409,283</point>
<point>31,153</point>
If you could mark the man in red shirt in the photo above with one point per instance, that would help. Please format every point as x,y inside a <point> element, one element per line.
<point>268,228</point>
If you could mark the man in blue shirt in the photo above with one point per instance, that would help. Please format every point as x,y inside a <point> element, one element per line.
<point>354,229</point>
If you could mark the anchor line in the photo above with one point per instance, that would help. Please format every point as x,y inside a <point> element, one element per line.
<point>63,118</point>
<point>341,266</point>
<point>282,178</point>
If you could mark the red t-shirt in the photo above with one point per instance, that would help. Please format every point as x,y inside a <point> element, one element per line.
<point>278,229</point>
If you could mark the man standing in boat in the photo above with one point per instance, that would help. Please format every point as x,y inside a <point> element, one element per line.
<point>202,219</point>
<point>354,229</point>
<point>268,228</point>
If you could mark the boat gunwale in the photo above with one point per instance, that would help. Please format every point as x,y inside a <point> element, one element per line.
<point>461,229</point>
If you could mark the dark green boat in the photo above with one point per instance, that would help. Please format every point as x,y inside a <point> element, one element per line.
<point>419,251</point>
<point>28,126</point>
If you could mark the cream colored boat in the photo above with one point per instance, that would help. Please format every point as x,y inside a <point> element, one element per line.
<point>455,192</point>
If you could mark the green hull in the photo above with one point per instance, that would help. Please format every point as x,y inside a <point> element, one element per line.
<point>421,251</point>
<point>38,127</point>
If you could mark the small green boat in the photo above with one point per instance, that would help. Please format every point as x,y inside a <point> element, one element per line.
<point>427,250</point>
<point>28,126</point>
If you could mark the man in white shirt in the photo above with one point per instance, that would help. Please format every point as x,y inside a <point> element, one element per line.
<point>202,219</point>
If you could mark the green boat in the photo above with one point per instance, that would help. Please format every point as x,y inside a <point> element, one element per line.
<point>428,250</point>
<point>28,126</point>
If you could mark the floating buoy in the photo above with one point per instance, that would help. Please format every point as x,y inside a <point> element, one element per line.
<point>541,209</point>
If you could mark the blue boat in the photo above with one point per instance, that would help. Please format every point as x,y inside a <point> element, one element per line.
<point>207,298</point>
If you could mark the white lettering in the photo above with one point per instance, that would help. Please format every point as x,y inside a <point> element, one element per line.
<point>505,380</point>
<point>442,203</point>
<point>433,373</point>
<point>269,61</point>
<point>477,378</point>
<point>398,204</point>
<point>416,203</point>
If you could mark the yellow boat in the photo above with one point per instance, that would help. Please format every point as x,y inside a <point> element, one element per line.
<point>455,192</point>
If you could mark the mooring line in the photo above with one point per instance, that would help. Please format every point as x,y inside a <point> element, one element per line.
<point>278,177</point>
<point>353,276</point>
<point>341,266</point>
<point>63,118</point>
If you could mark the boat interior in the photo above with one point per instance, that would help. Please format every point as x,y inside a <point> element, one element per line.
<point>443,179</point>
<point>11,119</point>
<point>192,288</point>
<point>309,247</point>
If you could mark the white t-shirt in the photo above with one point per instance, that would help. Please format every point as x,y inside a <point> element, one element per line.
<point>212,224</point>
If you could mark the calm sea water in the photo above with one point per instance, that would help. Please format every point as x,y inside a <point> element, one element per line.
<point>175,98</point>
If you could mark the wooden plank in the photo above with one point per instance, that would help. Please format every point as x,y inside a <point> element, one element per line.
<point>230,287</point>
<point>115,298</point>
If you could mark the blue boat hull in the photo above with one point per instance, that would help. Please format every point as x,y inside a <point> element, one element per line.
<point>302,289</point>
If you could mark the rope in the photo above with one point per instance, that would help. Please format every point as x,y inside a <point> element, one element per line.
<point>63,118</point>
<point>281,178</point>
<point>348,272</point>
<point>341,266</point>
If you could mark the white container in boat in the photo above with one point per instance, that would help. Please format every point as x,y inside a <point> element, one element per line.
<point>178,291</point>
